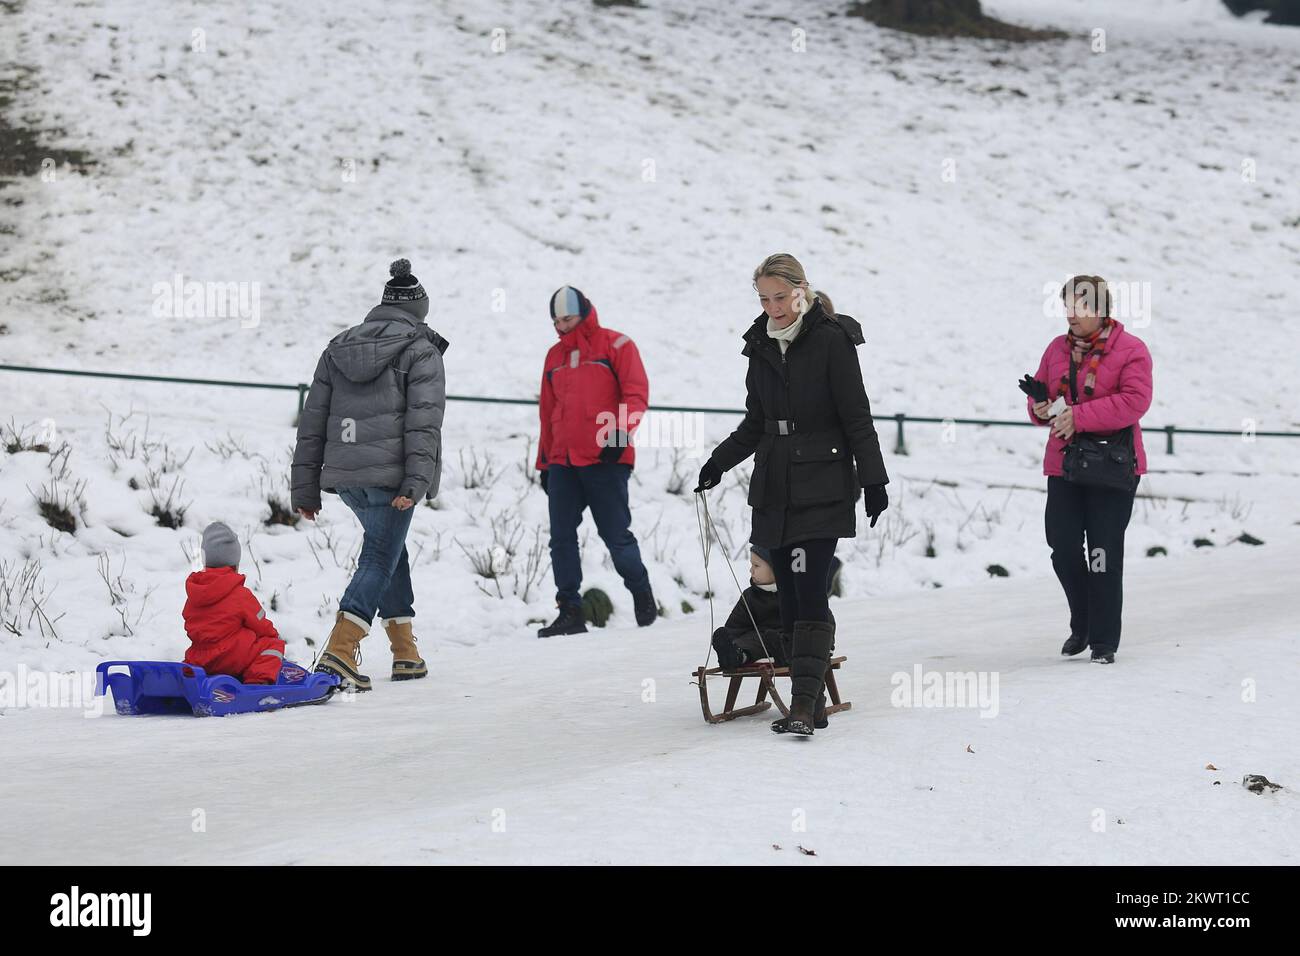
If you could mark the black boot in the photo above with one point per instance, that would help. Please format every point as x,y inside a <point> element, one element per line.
<point>813,641</point>
<point>646,607</point>
<point>1103,655</point>
<point>569,622</point>
<point>730,656</point>
<point>1077,644</point>
<point>820,720</point>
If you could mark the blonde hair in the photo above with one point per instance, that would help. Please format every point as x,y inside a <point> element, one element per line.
<point>786,267</point>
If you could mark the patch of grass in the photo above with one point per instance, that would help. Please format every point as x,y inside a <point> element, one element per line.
<point>280,513</point>
<point>57,503</point>
<point>16,439</point>
<point>22,151</point>
<point>167,510</point>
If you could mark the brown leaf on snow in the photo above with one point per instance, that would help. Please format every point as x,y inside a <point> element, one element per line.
<point>968,750</point>
<point>1210,766</point>
<point>776,846</point>
<point>806,852</point>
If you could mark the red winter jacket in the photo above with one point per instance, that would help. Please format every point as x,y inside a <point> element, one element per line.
<point>593,385</point>
<point>229,632</point>
<point>1121,397</point>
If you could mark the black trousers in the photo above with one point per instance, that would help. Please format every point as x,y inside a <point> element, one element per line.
<point>802,571</point>
<point>1093,579</point>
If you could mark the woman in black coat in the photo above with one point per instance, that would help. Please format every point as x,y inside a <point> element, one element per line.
<point>808,425</point>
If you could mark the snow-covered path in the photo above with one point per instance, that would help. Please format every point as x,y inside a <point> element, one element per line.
<point>548,753</point>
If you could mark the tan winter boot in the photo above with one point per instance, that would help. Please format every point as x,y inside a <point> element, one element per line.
<point>342,654</point>
<point>407,664</point>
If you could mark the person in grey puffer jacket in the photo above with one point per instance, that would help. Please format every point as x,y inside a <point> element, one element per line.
<point>371,432</point>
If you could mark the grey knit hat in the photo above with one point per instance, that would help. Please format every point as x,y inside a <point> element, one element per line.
<point>220,547</point>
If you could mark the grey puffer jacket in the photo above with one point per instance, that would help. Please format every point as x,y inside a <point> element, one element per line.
<point>373,416</point>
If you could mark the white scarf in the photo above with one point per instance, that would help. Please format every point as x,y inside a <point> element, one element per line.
<point>786,335</point>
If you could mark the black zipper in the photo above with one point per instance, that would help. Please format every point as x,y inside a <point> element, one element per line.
<point>785,377</point>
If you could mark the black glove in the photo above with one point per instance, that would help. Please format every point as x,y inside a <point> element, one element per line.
<point>1034,388</point>
<point>710,475</point>
<point>611,453</point>
<point>545,474</point>
<point>876,499</point>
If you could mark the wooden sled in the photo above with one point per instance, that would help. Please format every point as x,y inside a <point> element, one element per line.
<point>766,675</point>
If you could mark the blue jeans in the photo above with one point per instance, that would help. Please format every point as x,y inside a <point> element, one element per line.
<point>382,581</point>
<point>602,488</point>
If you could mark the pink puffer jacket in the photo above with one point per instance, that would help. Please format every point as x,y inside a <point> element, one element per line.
<point>1121,396</point>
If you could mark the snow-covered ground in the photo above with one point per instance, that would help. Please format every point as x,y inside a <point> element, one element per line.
<point>652,157</point>
<point>593,750</point>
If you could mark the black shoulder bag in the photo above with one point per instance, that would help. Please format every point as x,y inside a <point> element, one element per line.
<point>1097,462</point>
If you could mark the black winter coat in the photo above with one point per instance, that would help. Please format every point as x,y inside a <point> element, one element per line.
<point>805,483</point>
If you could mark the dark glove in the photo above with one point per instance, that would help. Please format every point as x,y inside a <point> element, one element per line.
<point>1034,388</point>
<point>876,499</point>
<point>545,475</point>
<point>611,453</point>
<point>710,475</point>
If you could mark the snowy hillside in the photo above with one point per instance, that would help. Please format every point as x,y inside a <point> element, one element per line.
<point>939,190</point>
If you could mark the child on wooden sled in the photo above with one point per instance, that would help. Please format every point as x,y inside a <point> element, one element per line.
<point>736,642</point>
<point>228,630</point>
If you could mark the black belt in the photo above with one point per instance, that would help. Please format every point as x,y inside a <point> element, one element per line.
<point>785,426</point>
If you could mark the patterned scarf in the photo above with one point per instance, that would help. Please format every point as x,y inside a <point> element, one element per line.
<point>1092,348</point>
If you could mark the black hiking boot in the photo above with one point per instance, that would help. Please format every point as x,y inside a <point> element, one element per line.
<point>569,622</point>
<point>647,609</point>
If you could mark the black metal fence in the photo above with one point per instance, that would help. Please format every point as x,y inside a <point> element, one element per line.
<point>900,419</point>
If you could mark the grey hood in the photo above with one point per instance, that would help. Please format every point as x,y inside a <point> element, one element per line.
<point>362,352</point>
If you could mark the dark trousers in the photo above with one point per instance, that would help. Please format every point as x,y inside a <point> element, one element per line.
<point>802,572</point>
<point>602,488</point>
<point>1093,579</point>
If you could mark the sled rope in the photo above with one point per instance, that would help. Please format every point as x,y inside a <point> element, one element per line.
<point>706,539</point>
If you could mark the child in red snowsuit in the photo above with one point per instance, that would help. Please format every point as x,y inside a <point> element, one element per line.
<point>229,632</point>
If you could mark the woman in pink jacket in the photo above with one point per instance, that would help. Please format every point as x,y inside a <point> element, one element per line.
<point>1098,377</point>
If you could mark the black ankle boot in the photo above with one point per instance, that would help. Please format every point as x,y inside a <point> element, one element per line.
<point>645,608</point>
<point>820,720</point>
<point>569,622</point>
<point>1077,644</point>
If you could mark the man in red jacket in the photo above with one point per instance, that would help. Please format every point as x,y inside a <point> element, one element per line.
<point>594,393</point>
<point>229,632</point>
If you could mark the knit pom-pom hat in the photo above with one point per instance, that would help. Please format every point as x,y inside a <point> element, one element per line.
<point>402,287</point>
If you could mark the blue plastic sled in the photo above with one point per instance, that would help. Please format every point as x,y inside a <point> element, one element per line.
<point>168,687</point>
